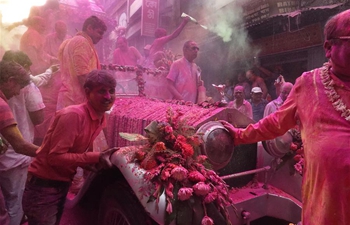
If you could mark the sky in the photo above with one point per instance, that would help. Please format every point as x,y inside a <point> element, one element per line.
<point>17,10</point>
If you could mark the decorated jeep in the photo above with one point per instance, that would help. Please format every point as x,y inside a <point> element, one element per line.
<point>177,165</point>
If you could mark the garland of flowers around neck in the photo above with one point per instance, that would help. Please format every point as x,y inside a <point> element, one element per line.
<point>331,93</point>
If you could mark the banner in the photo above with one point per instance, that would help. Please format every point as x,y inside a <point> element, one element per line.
<point>259,10</point>
<point>149,17</point>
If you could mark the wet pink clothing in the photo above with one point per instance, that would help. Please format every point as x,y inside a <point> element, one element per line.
<point>6,119</point>
<point>52,44</point>
<point>128,58</point>
<point>78,57</point>
<point>185,76</point>
<point>326,138</point>
<point>6,116</point>
<point>32,43</point>
<point>68,143</point>
<point>245,108</point>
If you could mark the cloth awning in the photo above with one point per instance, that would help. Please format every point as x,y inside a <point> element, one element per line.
<point>258,13</point>
<point>300,11</point>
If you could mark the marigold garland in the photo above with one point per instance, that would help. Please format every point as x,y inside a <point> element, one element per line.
<point>336,100</point>
<point>174,165</point>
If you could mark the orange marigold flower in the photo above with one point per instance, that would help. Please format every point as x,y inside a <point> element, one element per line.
<point>159,146</point>
<point>187,150</point>
<point>140,155</point>
<point>148,164</point>
<point>182,146</point>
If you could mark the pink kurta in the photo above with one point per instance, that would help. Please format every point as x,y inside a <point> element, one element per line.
<point>326,138</point>
<point>78,57</point>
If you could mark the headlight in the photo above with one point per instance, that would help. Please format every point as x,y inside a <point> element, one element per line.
<point>217,144</point>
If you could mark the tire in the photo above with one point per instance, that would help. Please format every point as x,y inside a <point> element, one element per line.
<point>120,206</point>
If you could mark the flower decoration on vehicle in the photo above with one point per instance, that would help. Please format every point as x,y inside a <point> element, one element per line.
<point>297,148</point>
<point>195,194</point>
<point>121,68</point>
<point>140,82</point>
<point>164,59</point>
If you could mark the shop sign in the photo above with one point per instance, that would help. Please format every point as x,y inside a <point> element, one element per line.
<point>149,17</point>
<point>259,10</point>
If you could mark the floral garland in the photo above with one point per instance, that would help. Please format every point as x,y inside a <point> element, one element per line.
<point>331,93</point>
<point>195,194</point>
<point>122,68</point>
<point>297,149</point>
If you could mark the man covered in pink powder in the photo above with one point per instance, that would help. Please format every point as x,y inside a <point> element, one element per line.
<point>320,103</point>
<point>78,57</point>
<point>32,43</point>
<point>126,55</point>
<point>184,75</point>
<point>67,145</point>
<point>162,38</point>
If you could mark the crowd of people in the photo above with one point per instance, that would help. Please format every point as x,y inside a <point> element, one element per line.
<point>54,95</point>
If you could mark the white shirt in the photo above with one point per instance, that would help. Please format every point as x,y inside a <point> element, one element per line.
<point>273,106</point>
<point>41,79</point>
<point>29,100</point>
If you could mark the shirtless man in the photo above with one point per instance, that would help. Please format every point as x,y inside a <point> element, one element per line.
<point>162,38</point>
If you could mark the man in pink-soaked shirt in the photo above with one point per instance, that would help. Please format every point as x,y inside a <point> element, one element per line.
<point>32,43</point>
<point>126,55</point>
<point>78,57</point>
<point>320,102</point>
<point>67,145</point>
<point>184,74</point>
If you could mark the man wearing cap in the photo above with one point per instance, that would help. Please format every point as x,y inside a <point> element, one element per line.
<point>258,103</point>
<point>257,81</point>
<point>240,103</point>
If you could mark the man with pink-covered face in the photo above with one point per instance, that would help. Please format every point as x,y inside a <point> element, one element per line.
<point>319,102</point>
<point>184,74</point>
<point>78,57</point>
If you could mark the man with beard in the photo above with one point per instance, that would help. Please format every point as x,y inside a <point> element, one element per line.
<point>184,75</point>
<point>67,145</point>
